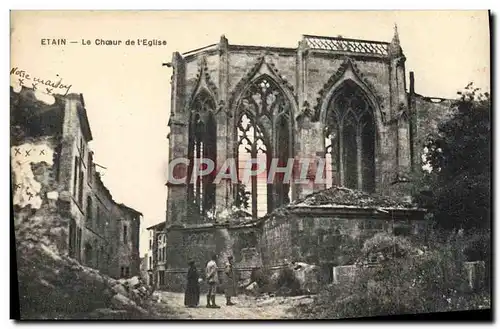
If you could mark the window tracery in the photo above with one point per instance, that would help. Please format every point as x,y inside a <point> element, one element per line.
<point>350,140</point>
<point>264,132</point>
<point>202,145</point>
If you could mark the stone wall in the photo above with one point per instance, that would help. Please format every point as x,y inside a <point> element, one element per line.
<point>327,240</point>
<point>201,243</point>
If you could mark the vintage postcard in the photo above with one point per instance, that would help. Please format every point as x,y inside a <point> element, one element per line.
<point>251,164</point>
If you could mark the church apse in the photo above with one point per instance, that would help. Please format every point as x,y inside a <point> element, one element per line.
<point>336,102</point>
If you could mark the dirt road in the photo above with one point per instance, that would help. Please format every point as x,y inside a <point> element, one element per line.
<point>246,307</point>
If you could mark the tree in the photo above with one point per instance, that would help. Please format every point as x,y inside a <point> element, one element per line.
<point>459,155</point>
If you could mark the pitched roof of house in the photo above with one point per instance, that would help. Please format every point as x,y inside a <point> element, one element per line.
<point>157,226</point>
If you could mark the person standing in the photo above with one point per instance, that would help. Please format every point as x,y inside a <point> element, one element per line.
<point>192,293</point>
<point>212,279</point>
<point>229,290</point>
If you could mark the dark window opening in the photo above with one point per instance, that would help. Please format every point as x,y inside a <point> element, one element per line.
<point>89,210</point>
<point>125,233</point>
<point>80,189</point>
<point>75,176</point>
<point>78,243</point>
<point>89,168</point>
<point>350,156</point>
<point>283,137</point>
<point>88,255</point>
<point>124,272</point>
<point>98,217</point>
<point>368,153</point>
<point>57,161</point>
<point>161,275</point>
<point>328,270</point>
<point>72,238</point>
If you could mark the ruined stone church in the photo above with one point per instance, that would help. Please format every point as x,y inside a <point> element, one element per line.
<point>343,100</point>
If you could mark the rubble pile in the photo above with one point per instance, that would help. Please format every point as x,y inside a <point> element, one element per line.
<point>344,196</point>
<point>294,279</point>
<point>52,286</point>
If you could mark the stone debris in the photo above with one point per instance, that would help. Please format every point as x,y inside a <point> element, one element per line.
<point>58,286</point>
<point>253,288</point>
<point>307,276</point>
<point>133,282</point>
<point>121,302</point>
<point>344,196</point>
<point>281,300</point>
<point>119,289</point>
<point>245,283</point>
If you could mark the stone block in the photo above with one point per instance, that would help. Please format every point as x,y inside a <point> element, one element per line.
<point>119,289</point>
<point>133,282</point>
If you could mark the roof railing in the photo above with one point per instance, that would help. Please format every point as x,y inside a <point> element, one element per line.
<point>194,51</point>
<point>347,45</point>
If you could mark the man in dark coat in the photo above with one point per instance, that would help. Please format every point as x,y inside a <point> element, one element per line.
<point>192,294</point>
<point>230,289</point>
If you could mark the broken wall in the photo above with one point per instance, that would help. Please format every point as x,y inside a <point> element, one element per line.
<point>429,112</point>
<point>35,193</point>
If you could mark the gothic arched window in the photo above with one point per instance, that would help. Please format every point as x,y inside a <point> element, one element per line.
<point>264,133</point>
<point>350,140</point>
<point>202,145</point>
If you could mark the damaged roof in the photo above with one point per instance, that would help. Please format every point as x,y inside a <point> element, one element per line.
<point>341,196</point>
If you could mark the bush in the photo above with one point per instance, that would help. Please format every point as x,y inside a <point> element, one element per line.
<point>432,282</point>
<point>477,247</point>
<point>261,276</point>
<point>387,247</point>
<point>288,283</point>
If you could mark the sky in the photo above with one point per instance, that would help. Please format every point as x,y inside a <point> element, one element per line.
<point>127,90</point>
